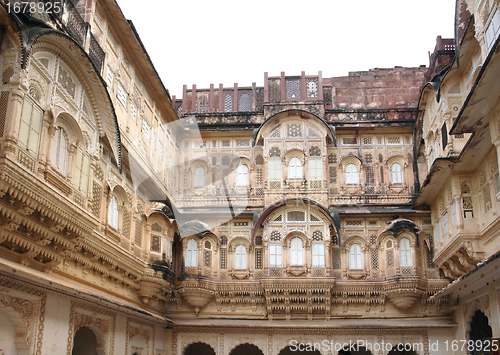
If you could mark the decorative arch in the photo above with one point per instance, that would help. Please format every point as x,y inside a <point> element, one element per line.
<point>71,127</point>
<point>198,348</point>
<point>400,225</point>
<point>246,349</point>
<point>270,123</point>
<point>241,159</point>
<point>351,159</point>
<point>82,335</point>
<point>19,328</point>
<point>296,233</point>
<point>237,240</point>
<point>194,227</point>
<point>293,202</point>
<point>354,239</point>
<point>55,42</point>
<point>288,351</point>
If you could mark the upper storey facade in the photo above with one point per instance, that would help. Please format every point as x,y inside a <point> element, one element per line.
<point>458,143</point>
<point>341,141</point>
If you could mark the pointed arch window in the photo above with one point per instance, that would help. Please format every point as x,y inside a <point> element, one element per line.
<point>60,154</point>
<point>355,257</point>
<point>242,178</point>
<point>396,173</point>
<point>296,251</point>
<point>295,168</point>
<point>405,253</point>
<point>351,174</point>
<point>199,177</point>
<point>113,213</point>
<point>192,253</point>
<point>240,257</point>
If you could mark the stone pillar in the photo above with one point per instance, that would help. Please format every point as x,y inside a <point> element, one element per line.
<point>200,256</point>
<point>266,87</point>
<point>320,85</point>
<point>328,261</point>
<point>193,99</point>
<point>303,88</point>
<point>235,97</point>
<point>18,88</point>
<point>184,99</point>
<point>221,98</point>
<point>414,255</point>
<point>456,195</point>
<point>211,99</point>
<point>396,257</point>
<point>308,256</point>
<point>283,86</point>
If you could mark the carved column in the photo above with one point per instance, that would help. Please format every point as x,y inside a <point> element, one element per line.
<point>71,161</point>
<point>45,144</point>
<point>414,256</point>
<point>396,257</point>
<point>200,256</point>
<point>456,195</point>
<point>19,87</point>
<point>307,259</point>
<point>328,261</point>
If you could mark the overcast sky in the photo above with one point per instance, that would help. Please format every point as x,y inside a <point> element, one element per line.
<point>230,41</point>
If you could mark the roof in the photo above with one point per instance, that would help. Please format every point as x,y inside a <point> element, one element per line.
<point>478,277</point>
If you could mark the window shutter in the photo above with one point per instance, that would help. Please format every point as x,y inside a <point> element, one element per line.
<point>243,264</point>
<point>359,257</point>
<point>315,169</point>
<point>35,127</point>
<point>78,168</point>
<point>352,258</point>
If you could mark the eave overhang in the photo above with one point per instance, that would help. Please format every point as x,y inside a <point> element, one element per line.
<point>482,96</point>
<point>484,274</point>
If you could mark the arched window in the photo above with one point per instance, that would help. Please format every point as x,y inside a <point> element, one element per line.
<point>355,257</point>
<point>275,255</point>
<point>242,178</point>
<point>113,212</point>
<point>405,253</point>
<point>294,168</point>
<point>296,251</point>
<point>240,257</point>
<point>351,174</point>
<point>192,253</point>
<point>274,169</point>
<point>199,177</point>
<point>396,173</point>
<point>59,154</point>
<point>318,254</point>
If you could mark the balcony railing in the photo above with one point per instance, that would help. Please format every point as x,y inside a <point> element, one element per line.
<point>65,14</point>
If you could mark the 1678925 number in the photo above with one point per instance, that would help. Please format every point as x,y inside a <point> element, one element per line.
<point>471,345</point>
<point>34,7</point>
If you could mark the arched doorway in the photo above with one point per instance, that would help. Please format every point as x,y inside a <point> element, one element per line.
<point>84,342</point>
<point>360,351</point>
<point>289,351</point>
<point>480,330</point>
<point>395,350</point>
<point>7,335</point>
<point>199,349</point>
<point>246,349</point>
